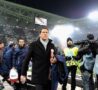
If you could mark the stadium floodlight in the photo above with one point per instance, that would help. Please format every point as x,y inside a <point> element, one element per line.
<point>62,32</point>
<point>76,28</point>
<point>93,16</point>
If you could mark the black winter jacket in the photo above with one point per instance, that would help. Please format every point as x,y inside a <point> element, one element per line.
<point>41,62</point>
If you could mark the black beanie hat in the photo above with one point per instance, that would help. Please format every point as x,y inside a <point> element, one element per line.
<point>90,36</point>
<point>69,39</point>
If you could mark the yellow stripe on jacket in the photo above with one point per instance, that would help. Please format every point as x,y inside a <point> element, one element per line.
<point>71,52</point>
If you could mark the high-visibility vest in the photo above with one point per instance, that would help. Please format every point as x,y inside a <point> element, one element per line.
<point>71,52</point>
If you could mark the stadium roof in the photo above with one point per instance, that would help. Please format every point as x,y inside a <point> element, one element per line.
<point>66,8</point>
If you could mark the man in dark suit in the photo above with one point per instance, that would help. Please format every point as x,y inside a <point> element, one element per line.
<point>40,52</point>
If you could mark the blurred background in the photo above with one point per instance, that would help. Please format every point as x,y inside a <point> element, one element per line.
<point>64,19</point>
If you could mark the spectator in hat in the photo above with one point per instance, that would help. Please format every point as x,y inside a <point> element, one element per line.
<point>70,53</point>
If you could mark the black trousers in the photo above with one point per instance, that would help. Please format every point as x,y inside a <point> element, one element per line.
<point>71,69</point>
<point>37,87</point>
<point>96,84</point>
<point>40,87</point>
<point>34,87</point>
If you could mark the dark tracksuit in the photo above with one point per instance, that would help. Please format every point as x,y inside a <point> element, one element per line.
<point>18,58</point>
<point>41,64</point>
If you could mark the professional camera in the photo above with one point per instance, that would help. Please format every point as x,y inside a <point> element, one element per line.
<point>82,42</point>
<point>89,41</point>
<point>88,45</point>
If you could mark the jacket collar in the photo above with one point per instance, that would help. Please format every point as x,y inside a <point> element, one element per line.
<point>41,45</point>
<point>40,42</point>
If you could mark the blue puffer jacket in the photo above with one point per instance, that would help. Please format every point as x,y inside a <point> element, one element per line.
<point>59,70</point>
<point>19,55</point>
<point>1,61</point>
<point>7,59</point>
<point>62,69</point>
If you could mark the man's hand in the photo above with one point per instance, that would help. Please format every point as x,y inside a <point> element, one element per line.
<point>23,79</point>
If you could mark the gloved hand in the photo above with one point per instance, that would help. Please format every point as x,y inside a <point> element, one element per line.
<point>75,57</point>
<point>67,58</point>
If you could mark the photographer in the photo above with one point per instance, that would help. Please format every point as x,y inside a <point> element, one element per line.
<point>87,52</point>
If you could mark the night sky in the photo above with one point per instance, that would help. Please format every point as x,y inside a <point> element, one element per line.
<point>66,8</point>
